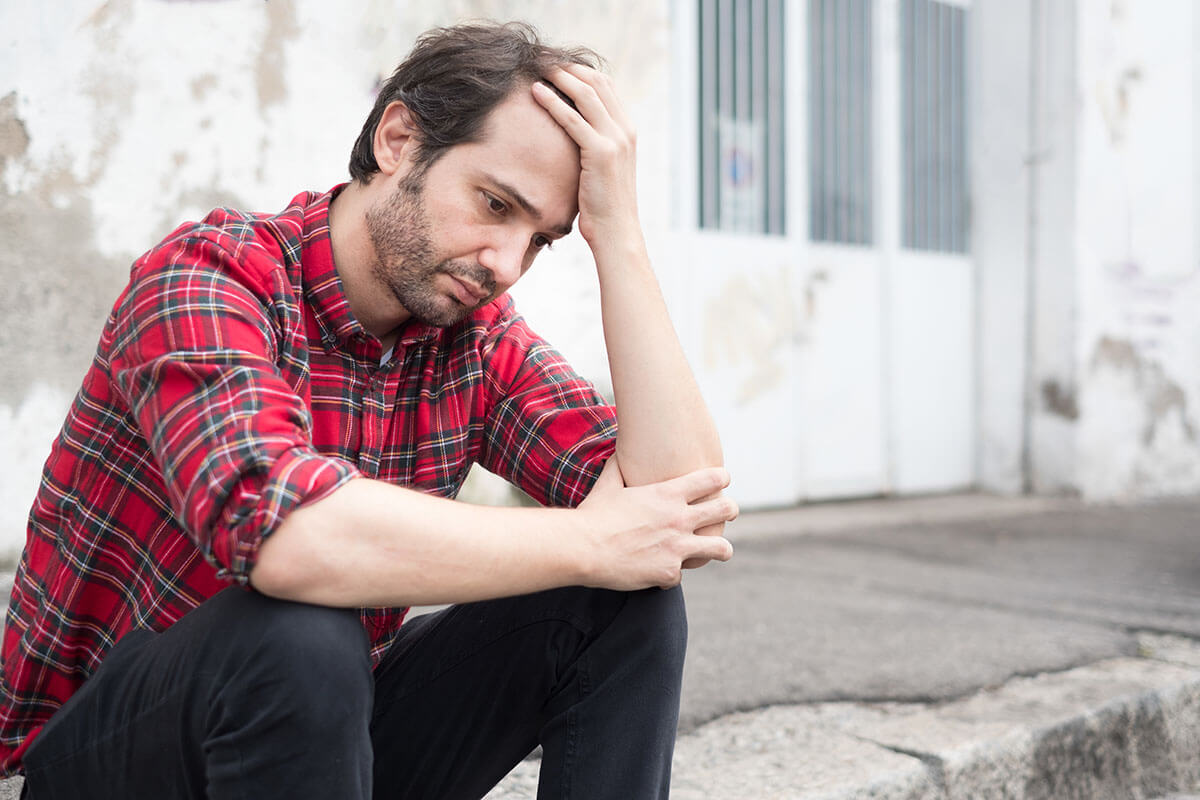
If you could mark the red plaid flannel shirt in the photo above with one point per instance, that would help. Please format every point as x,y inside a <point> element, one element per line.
<point>231,384</point>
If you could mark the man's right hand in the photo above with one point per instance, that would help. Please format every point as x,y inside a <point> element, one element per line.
<point>641,536</point>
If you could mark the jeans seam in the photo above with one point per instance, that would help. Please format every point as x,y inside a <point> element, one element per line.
<point>573,744</point>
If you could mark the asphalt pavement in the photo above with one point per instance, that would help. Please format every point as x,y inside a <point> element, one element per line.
<point>941,648</point>
<point>960,647</point>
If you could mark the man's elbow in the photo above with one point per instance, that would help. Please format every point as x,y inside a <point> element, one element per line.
<point>639,467</point>
<point>277,572</point>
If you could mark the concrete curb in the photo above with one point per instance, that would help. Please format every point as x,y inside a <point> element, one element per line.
<point>1116,729</point>
<point>1122,728</point>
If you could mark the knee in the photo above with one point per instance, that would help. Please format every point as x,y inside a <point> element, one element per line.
<point>292,688</point>
<point>662,617</point>
<point>647,627</point>
<point>298,650</point>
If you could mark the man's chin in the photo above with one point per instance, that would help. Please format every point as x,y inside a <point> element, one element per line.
<point>443,316</point>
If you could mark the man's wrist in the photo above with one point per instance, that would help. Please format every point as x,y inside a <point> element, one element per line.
<point>622,239</point>
<point>620,255</point>
<point>579,558</point>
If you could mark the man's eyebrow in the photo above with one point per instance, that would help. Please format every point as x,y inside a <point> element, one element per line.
<point>524,203</point>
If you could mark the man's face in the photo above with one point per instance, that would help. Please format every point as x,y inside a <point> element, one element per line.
<point>450,238</point>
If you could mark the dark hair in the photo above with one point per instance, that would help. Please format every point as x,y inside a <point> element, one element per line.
<point>452,80</point>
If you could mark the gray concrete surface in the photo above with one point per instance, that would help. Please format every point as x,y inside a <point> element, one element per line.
<point>956,648</point>
<point>1027,650</point>
<point>929,612</point>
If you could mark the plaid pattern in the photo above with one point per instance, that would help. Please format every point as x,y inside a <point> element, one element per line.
<point>231,384</point>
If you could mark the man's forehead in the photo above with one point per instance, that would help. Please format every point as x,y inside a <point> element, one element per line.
<point>527,154</point>
<point>520,106</point>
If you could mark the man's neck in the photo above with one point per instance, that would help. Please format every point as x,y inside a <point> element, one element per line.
<point>353,257</point>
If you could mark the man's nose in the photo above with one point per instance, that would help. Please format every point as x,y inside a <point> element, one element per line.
<point>504,259</point>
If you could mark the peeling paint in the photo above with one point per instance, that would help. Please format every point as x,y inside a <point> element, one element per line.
<point>110,84</point>
<point>57,286</point>
<point>14,139</point>
<point>193,204</point>
<point>748,325</point>
<point>1114,100</point>
<point>27,429</point>
<point>1159,396</point>
<point>815,280</point>
<point>270,71</point>
<point>1059,400</point>
<point>202,85</point>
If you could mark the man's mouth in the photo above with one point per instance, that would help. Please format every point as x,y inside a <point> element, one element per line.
<point>467,293</point>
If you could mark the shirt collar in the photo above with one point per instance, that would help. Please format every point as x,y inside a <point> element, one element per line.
<point>322,284</point>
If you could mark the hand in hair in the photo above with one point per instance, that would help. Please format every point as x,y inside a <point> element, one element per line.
<point>607,151</point>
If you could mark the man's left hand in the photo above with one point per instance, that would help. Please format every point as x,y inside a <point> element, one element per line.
<point>607,151</point>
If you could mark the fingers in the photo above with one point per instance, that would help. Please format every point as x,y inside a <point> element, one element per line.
<point>570,120</point>
<point>587,99</point>
<point>596,104</point>
<point>605,90</point>
<point>708,548</point>
<point>715,511</point>
<point>699,484</point>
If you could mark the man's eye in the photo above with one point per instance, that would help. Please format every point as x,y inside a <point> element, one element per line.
<point>496,204</point>
<point>543,242</point>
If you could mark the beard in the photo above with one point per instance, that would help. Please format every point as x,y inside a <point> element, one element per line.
<point>405,262</point>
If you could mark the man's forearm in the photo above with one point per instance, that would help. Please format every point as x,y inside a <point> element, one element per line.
<point>665,427</point>
<point>372,544</point>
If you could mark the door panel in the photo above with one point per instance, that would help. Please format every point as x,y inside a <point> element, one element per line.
<point>931,352</point>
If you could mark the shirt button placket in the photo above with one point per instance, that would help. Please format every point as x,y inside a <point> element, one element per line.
<point>374,406</point>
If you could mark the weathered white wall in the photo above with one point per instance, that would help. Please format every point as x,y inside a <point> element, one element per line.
<point>1109,283</point>
<point>1138,348</point>
<point>120,119</point>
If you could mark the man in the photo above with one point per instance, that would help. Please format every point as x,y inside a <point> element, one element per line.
<point>278,401</point>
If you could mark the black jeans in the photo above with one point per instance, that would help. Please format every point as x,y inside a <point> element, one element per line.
<point>252,698</point>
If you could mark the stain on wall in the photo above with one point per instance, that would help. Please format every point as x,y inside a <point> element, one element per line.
<point>749,326</point>
<point>58,286</point>
<point>14,139</point>
<point>1060,400</point>
<point>270,76</point>
<point>1159,396</point>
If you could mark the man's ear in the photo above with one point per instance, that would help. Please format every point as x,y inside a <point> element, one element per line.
<point>396,138</point>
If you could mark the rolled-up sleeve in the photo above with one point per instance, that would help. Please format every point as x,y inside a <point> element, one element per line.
<point>195,340</point>
<point>549,431</point>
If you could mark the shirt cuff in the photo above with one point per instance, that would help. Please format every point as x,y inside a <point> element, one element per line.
<point>260,503</point>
